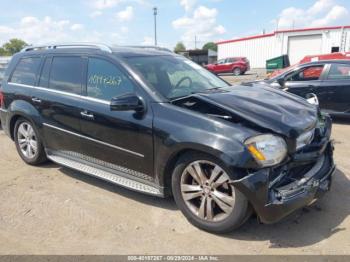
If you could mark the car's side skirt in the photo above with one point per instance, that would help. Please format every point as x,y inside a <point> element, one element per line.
<point>116,177</point>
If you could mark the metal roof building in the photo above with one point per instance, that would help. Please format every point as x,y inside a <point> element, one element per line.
<point>296,43</point>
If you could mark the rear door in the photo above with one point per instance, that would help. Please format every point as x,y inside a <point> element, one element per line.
<point>308,80</point>
<point>58,99</point>
<point>119,140</point>
<point>337,84</point>
<point>24,78</point>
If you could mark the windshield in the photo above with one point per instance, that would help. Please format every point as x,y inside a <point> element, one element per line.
<point>175,76</point>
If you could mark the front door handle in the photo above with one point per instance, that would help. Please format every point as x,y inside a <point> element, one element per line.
<point>86,114</point>
<point>36,100</point>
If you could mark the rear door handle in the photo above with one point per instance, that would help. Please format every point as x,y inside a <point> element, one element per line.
<point>87,115</point>
<point>36,100</point>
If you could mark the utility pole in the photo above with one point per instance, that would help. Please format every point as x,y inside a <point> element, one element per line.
<point>195,42</point>
<point>155,12</point>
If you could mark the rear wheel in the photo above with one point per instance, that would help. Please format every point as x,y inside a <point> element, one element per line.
<point>28,143</point>
<point>202,190</point>
<point>236,71</point>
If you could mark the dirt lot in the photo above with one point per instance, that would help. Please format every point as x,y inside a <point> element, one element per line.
<point>53,210</point>
<point>248,76</point>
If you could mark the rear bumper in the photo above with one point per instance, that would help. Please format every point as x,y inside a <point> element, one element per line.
<point>273,203</point>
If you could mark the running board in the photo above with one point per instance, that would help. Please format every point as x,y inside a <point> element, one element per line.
<point>105,175</point>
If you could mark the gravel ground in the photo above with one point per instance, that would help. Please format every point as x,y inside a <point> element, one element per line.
<point>248,76</point>
<point>54,210</point>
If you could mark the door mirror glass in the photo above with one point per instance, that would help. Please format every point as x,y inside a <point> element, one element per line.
<point>127,102</point>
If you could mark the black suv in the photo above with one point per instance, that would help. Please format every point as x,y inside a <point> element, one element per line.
<point>157,123</point>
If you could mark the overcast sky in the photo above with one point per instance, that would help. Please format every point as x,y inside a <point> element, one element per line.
<point>130,22</point>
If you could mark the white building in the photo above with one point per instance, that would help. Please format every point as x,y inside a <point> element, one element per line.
<point>296,43</point>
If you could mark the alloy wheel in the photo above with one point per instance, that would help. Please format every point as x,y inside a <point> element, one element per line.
<point>207,192</point>
<point>27,140</point>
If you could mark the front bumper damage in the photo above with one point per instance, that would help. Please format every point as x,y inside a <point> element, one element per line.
<point>276,192</point>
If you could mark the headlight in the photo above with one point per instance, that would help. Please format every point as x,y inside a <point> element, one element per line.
<point>268,150</point>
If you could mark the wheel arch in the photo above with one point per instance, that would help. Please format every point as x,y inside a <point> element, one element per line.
<point>22,109</point>
<point>170,165</point>
<point>174,158</point>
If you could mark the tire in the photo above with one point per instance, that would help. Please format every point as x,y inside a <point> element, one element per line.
<point>28,143</point>
<point>212,218</point>
<point>236,71</point>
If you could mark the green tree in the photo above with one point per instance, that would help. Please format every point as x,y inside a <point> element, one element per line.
<point>3,52</point>
<point>211,46</point>
<point>13,46</point>
<point>180,47</point>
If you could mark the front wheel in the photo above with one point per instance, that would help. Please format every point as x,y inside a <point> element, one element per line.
<point>202,190</point>
<point>28,143</point>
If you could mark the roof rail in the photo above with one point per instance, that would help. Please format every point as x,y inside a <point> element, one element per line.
<point>151,47</point>
<point>102,47</point>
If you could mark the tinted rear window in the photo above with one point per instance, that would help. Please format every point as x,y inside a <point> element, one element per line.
<point>339,72</point>
<point>66,74</point>
<point>25,71</point>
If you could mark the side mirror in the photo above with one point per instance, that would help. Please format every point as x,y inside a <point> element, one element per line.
<point>127,102</point>
<point>281,81</point>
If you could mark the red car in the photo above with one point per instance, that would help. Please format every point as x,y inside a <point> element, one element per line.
<point>235,65</point>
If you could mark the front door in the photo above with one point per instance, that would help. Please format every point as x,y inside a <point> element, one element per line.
<point>308,80</point>
<point>220,66</point>
<point>120,140</point>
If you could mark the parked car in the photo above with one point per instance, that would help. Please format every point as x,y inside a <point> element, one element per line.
<point>235,65</point>
<point>156,122</point>
<point>313,58</point>
<point>329,80</point>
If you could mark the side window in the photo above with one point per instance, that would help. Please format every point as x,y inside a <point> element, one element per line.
<point>232,60</point>
<point>25,71</point>
<point>106,81</point>
<point>45,72</point>
<point>66,74</point>
<point>307,74</point>
<point>221,61</point>
<point>339,71</point>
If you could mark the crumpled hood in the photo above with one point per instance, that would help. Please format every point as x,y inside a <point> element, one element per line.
<point>267,107</point>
